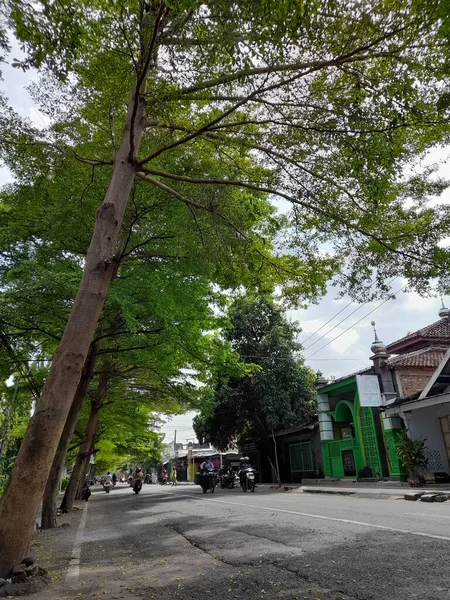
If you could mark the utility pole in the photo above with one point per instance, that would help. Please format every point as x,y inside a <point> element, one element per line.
<point>175,443</point>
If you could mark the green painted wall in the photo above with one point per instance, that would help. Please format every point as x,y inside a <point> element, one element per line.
<point>364,445</point>
<point>396,469</point>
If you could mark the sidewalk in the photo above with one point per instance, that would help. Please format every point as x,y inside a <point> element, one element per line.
<point>382,489</point>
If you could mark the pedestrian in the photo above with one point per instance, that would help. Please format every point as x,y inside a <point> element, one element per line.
<point>174,476</point>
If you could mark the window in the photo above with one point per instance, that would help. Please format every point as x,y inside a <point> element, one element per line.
<point>301,457</point>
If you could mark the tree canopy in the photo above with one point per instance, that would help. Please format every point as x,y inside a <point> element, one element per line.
<point>277,391</point>
<point>210,108</point>
<point>321,105</point>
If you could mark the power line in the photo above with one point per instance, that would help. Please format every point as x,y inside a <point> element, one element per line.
<point>356,323</point>
<point>342,320</point>
<point>325,324</point>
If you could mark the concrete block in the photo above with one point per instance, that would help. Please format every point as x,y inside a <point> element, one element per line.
<point>441,498</point>
<point>428,497</point>
<point>413,496</point>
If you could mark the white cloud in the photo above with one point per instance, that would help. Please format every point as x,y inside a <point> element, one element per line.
<point>415,302</point>
<point>345,341</point>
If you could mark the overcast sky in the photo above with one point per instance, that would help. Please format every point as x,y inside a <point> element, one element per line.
<point>343,350</point>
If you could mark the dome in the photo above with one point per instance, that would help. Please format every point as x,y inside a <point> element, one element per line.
<point>444,312</point>
<point>320,380</point>
<point>378,347</point>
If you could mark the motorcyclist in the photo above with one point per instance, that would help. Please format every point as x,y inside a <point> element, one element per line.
<point>85,492</point>
<point>107,482</point>
<point>114,478</point>
<point>244,464</point>
<point>138,475</point>
<point>164,476</point>
<point>206,467</point>
<point>138,478</point>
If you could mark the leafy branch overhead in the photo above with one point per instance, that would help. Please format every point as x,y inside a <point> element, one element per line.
<point>320,105</point>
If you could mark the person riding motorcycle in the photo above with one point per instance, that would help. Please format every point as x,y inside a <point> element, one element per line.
<point>107,482</point>
<point>206,467</point>
<point>244,464</point>
<point>138,481</point>
<point>138,475</point>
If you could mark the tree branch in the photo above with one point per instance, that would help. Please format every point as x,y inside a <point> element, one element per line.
<point>353,56</point>
<point>141,79</point>
<point>268,190</point>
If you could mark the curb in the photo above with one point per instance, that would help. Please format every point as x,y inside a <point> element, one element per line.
<point>335,492</point>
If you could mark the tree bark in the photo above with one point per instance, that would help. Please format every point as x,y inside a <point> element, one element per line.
<point>87,447</point>
<point>21,500</point>
<point>49,502</point>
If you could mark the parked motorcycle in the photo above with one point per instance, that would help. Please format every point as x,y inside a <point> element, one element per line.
<point>137,487</point>
<point>248,479</point>
<point>209,482</point>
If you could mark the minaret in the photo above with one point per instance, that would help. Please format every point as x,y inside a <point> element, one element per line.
<point>444,312</point>
<point>381,368</point>
<point>378,348</point>
<point>323,408</point>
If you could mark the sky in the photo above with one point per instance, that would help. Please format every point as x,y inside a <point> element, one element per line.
<point>336,352</point>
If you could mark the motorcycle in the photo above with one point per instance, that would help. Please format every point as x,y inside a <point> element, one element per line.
<point>85,492</point>
<point>137,487</point>
<point>107,486</point>
<point>248,479</point>
<point>228,480</point>
<point>209,482</point>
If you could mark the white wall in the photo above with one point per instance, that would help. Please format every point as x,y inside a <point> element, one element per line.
<point>423,423</point>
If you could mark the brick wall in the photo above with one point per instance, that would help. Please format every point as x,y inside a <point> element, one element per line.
<point>414,379</point>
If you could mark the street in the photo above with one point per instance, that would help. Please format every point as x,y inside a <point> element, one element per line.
<point>179,543</point>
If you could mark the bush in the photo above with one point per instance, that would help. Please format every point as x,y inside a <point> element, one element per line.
<point>412,454</point>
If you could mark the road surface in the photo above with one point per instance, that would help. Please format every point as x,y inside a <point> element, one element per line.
<point>181,544</point>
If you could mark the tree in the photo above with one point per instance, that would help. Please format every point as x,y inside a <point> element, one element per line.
<point>278,392</point>
<point>325,95</point>
<point>161,269</point>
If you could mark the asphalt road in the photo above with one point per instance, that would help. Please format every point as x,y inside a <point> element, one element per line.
<point>179,543</point>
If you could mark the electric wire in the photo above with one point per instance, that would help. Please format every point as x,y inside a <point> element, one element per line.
<point>356,323</point>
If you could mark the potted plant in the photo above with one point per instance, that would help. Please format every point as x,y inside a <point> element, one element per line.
<point>412,454</point>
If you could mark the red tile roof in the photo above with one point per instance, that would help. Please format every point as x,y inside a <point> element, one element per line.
<point>439,331</point>
<point>425,357</point>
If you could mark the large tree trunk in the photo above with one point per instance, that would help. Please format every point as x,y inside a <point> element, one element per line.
<point>87,447</point>
<point>49,502</point>
<point>21,500</point>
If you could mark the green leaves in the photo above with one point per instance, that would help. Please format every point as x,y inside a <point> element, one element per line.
<point>411,453</point>
<point>278,390</point>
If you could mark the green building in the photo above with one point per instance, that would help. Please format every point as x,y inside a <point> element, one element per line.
<point>357,439</point>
